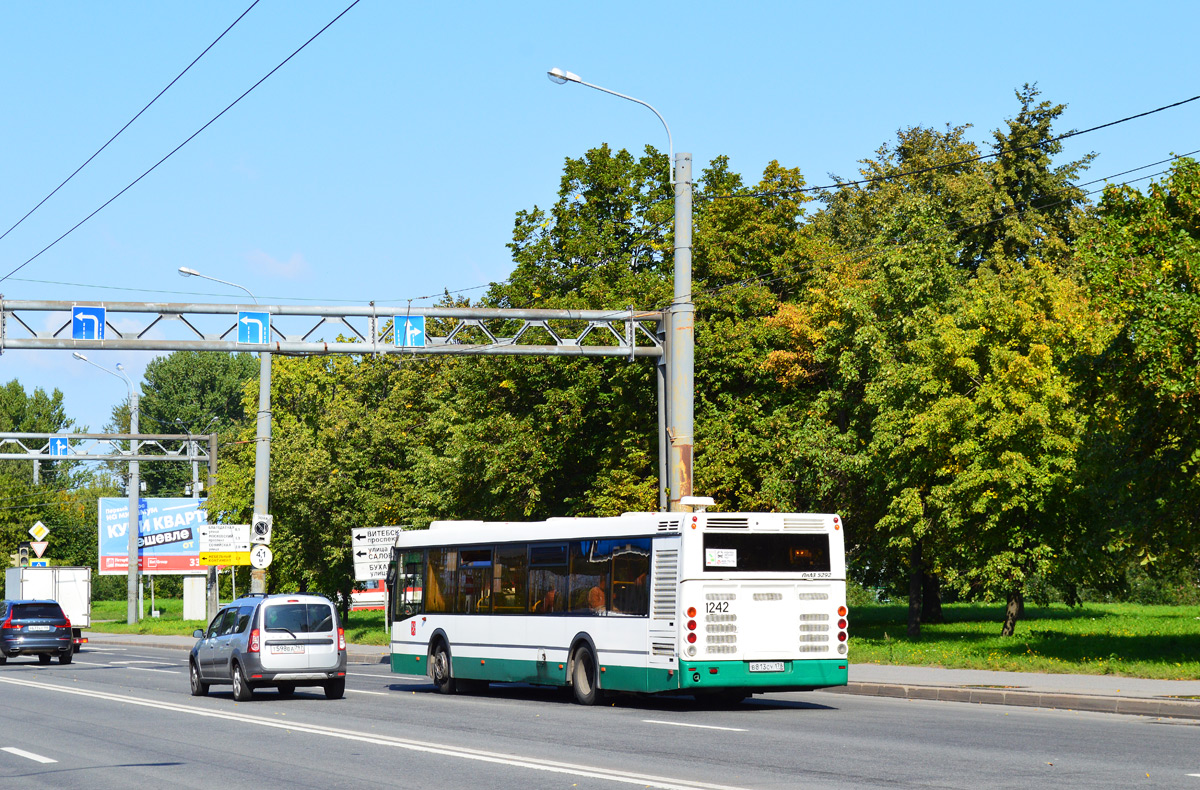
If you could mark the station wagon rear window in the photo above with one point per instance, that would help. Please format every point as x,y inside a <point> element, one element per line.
<point>299,618</point>
<point>29,610</point>
<point>757,553</point>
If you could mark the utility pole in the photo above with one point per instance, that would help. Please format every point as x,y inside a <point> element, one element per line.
<point>681,379</point>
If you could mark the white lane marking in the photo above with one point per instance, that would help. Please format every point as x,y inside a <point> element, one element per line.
<point>121,665</point>
<point>447,750</point>
<point>29,755</point>
<point>376,693</point>
<point>697,726</point>
<point>1195,775</point>
<point>137,660</point>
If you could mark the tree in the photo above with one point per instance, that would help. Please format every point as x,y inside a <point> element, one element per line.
<point>925,370</point>
<point>1142,265</point>
<point>187,392</point>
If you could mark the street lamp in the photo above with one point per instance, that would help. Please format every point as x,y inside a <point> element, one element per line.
<point>680,334</point>
<point>134,485</point>
<point>186,272</point>
<point>262,452</point>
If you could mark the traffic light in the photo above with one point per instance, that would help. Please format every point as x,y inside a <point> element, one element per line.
<point>23,555</point>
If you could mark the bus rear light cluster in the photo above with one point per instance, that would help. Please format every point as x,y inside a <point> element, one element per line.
<point>843,625</point>
<point>691,629</point>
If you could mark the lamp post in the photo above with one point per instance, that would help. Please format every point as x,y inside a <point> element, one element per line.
<point>262,451</point>
<point>680,363</point>
<point>134,485</point>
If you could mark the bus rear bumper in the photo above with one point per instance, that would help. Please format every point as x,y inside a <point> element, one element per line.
<point>697,676</point>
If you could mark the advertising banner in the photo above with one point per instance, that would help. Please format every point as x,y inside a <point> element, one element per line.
<point>168,535</point>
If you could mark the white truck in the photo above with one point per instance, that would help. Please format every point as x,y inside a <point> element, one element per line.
<point>71,587</point>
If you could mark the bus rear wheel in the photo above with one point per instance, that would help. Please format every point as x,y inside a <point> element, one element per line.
<point>439,669</point>
<point>585,676</point>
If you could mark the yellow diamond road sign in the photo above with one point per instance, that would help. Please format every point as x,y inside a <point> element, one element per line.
<point>39,531</point>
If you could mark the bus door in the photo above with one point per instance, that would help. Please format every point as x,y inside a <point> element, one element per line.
<point>408,585</point>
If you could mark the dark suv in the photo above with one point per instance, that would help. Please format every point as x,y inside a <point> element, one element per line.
<point>35,628</point>
<point>261,640</point>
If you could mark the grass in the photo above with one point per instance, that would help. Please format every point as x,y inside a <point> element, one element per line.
<point>364,628</point>
<point>1096,639</point>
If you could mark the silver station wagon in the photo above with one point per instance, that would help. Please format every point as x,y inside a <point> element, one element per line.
<point>279,641</point>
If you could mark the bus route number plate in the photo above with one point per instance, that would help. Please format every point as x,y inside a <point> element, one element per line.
<point>766,666</point>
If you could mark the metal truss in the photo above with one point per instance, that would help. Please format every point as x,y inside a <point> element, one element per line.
<point>104,447</point>
<point>149,326</point>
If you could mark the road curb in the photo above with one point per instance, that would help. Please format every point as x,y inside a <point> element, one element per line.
<point>1135,706</point>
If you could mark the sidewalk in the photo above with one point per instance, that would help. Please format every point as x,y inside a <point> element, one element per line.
<point>1098,693</point>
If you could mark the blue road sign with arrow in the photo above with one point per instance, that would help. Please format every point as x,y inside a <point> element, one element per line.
<point>87,323</point>
<point>60,445</point>
<point>408,331</point>
<point>254,327</point>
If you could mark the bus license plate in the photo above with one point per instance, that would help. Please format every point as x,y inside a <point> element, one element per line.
<point>289,649</point>
<point>766,666</point>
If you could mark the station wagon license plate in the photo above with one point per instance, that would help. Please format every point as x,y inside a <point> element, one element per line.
<point>287,648</point>
<point>766,666</point>
<point>41,628</point>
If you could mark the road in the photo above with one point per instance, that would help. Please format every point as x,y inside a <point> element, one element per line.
<point>122,717</point>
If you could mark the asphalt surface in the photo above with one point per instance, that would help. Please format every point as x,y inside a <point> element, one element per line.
<point>1097,693</point>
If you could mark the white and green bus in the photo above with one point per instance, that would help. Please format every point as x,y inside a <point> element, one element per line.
<point>721,605</point>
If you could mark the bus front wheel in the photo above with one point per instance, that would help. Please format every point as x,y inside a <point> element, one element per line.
<point>439,669</point>
<point>585,676</point>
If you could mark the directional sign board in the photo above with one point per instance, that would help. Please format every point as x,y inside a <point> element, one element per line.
<point>408,331</point>
<point>87,323</point>
<point>254,327</point>
<point>224,544</point>
<point>372,550</point>
<point>60,445</point>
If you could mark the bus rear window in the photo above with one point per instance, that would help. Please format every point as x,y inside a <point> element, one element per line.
<point>766,553</point>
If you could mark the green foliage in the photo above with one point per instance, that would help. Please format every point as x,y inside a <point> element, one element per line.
<point>1143,266</point>
<point>187,392</point>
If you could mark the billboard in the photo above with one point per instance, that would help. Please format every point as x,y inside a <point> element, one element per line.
<point>168,535</point>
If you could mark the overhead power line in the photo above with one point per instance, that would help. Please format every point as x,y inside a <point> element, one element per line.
<point>129,122</point>
<point>181,145</point>
<point>933,168</point>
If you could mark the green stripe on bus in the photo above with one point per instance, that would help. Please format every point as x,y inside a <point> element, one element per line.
<point>692,676</point>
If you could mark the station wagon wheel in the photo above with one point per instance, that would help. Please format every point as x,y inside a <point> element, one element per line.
<point>199,687</point>
<point>439,668</point>
<point>241,689</point>
<point>585,676</point>
<point>286,689</point>
<point>335,689</point>
<point>65,658</point>
<point>3,659</point>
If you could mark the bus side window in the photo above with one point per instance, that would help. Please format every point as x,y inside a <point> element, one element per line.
<point>439,579</point>
<point>510,582</point>
<point>631,577</point>
<point>547,578</point>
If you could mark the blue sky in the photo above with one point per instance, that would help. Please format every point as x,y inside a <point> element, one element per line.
<point>387,160</point>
